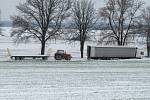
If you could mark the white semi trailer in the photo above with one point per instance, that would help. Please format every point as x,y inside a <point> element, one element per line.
<point>108,52</point>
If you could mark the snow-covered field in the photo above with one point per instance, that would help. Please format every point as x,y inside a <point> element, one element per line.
<point>75,80</point>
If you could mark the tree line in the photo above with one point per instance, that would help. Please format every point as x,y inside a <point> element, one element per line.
<point>42,20</point>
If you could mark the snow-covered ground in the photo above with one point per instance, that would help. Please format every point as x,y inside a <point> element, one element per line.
<point>75,80</point>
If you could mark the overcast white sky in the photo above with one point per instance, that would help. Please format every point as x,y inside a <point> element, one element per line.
<point>8,7</point>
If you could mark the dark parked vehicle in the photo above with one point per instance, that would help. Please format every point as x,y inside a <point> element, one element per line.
<point>61,54</point>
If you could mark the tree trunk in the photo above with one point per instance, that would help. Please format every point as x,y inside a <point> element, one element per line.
<point>82,48</point>
<point>148,43</point>
<point>42,47</point>
<point>119,43</point>
<point>148,51</point>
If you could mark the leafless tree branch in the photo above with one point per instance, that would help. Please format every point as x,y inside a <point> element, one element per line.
<point>121,14</point>
<point>40,19</point>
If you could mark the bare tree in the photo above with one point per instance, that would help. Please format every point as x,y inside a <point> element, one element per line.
<point>144,26</point>
<point>120,16</point>
<point>40,20</point>
<point>83,19</point>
